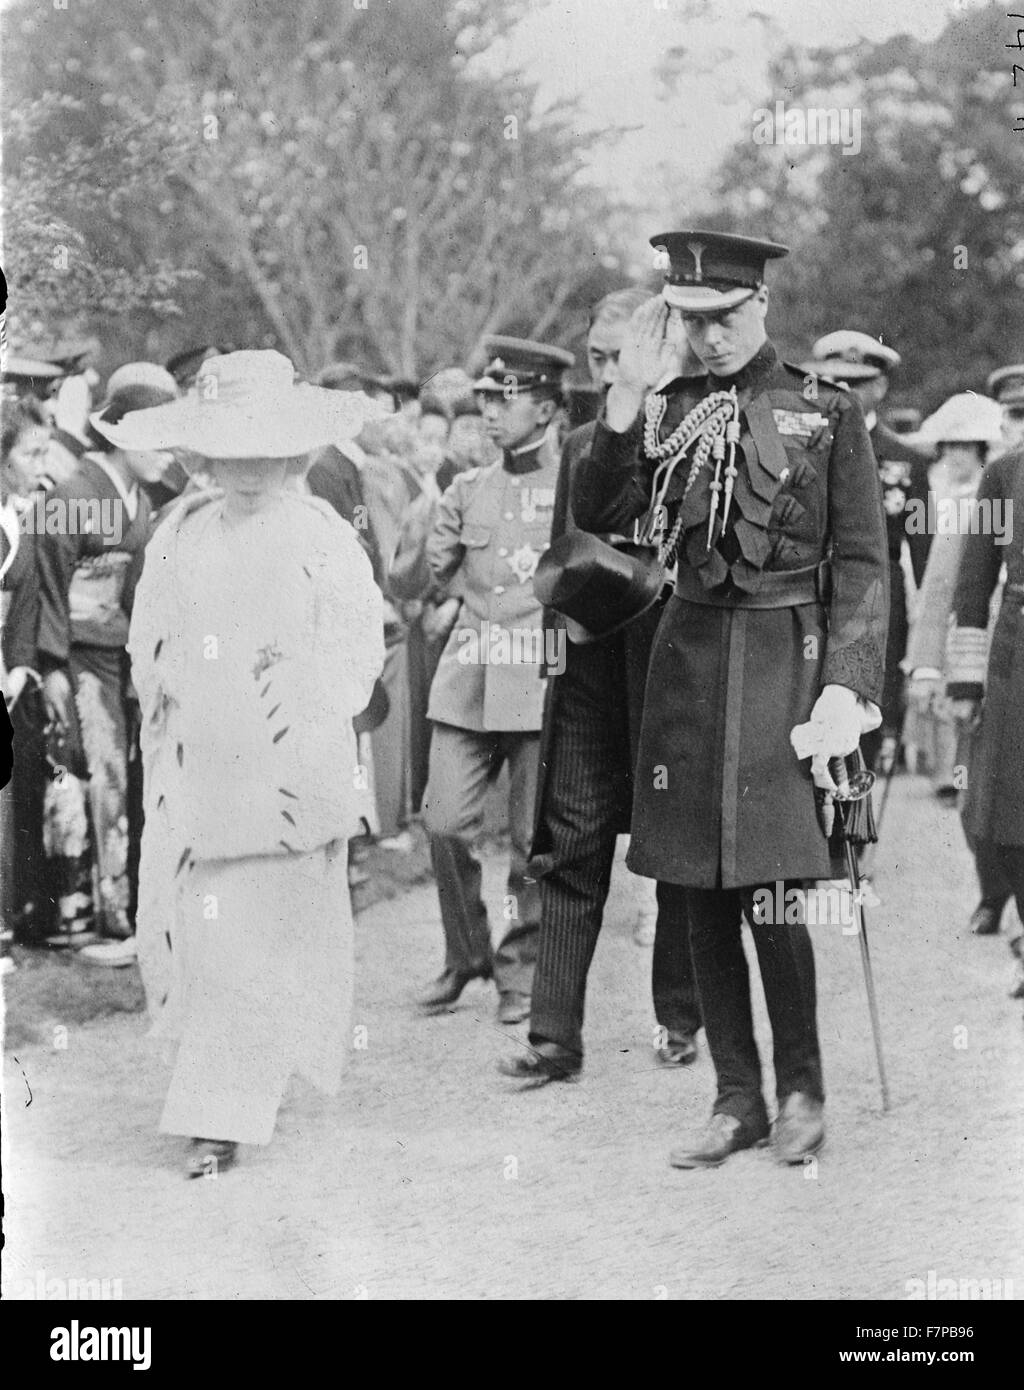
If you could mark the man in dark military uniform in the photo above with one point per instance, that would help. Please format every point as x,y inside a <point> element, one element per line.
<point>989,694</point>
<point>487,695</point>
<point>771,649</point>
<point>1006,387</point>
<point>863,364</point>
<point>589,741</point>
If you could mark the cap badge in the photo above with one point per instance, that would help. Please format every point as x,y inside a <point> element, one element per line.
<point>697,249</point>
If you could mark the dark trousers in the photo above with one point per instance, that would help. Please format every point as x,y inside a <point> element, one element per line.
<point>423,657</point>
<point>786,961</point>
<point>1003,869</point>
<point>990,862</point>
<point>586,799</point>
<point>24,897</point>
<point>463,764</point>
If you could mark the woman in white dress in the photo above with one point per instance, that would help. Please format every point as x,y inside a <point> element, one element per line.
<point>256,637</point>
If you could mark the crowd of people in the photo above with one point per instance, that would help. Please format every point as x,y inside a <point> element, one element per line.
<point>253,624</point>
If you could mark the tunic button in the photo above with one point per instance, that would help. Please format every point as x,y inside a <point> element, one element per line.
<point>499,588</point>
<point>503,552</point>
<point>510,516</point>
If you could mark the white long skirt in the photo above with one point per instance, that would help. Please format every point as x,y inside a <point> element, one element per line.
<point>265,967</point>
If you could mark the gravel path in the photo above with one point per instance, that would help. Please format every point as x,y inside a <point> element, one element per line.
<point>432,1177</point>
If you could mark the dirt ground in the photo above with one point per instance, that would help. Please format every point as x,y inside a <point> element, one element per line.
<point>432,1177</point>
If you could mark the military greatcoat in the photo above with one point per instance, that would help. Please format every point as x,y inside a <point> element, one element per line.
<point>994,803</point>
<point>721,799</point>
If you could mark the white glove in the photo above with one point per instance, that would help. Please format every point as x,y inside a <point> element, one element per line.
<point>838,719</point>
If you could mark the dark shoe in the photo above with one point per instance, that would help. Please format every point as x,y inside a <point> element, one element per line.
<point>543,1063</point>
<point>985,919</point>
<point>513,1008</point>
<point>207,1158</point>
<point>447,987</point>
<point>724,1135</point>
<point>678,1050</point>
<point>799,1128</point>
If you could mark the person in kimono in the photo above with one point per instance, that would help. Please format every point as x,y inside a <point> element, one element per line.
<point>256,638</point>
<point>94,524</point>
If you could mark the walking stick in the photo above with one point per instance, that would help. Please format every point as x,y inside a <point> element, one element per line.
<point>851,791</point>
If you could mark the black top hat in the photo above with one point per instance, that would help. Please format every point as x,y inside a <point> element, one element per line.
<point>706,272</point>
<point>523,365</point>
<point>598,588</point>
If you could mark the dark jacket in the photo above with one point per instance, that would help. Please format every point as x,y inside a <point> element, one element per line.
<point>617,665</point>
<point>335,478</point>
<point>20,601</point>
<point>994,803</point>
<point>903,473</point>
<point>85,584</point>
<point>720,798</point>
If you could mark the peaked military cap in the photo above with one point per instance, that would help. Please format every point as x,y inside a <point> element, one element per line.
<point>1007,385</point>
<point>709,271</point>
<point>848,355</point>
<point>523,364</point>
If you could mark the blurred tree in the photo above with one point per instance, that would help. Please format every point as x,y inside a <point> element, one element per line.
<point>65,191</point>
<point>917,238</point>
<point>345,179</point>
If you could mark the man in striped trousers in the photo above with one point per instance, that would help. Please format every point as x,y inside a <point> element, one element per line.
<point>585,791</point>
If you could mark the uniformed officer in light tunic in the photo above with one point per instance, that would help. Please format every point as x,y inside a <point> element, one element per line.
<point>486,701</point>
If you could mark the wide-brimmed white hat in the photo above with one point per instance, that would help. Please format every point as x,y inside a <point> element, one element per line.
<point>964,419</point>
<point>248,405</point>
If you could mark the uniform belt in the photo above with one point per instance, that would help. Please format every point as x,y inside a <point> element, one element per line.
<point>778,589</point>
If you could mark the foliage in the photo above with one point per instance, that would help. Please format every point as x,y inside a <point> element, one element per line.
<point>344,178</point>
<point>919,237</point>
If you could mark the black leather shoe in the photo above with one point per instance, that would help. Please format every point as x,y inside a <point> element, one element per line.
<point>799,1128</point>
<point>724,1135</point>
<point>985,919</point>
<point>447,987</point>
<point>678,1050</point>
<point>543,1063</point>
<point>513,1008</point>
<point>207,1158</point>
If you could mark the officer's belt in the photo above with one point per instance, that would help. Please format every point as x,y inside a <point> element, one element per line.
<point>778,589</point>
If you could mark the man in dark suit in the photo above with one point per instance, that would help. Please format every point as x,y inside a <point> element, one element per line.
<point>770,650</point>
<point>591,726</point>
<point>336,475</point>
<point>863,364</point>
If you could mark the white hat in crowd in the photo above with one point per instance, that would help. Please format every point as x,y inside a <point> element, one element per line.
<point>248,405</point>
<point>964,419</point>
